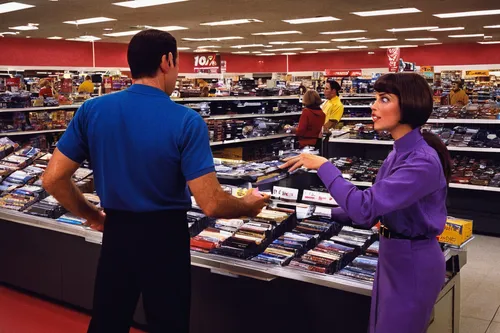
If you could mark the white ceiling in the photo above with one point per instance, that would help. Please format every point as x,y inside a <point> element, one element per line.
<point>50,15</point>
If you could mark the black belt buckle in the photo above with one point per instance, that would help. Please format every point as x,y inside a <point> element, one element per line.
<point>385,232</point>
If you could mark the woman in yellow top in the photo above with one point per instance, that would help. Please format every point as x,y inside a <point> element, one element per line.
<point>458,96</point>
<point>87,86</point>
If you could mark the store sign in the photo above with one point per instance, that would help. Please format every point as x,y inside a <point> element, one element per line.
<point>285,193</point>
<point>207,63</point>
<point>13,82</point>
<point>342,73</point>
<point>66,86</point>
<point>477,73</point>
<point>393,55</point>
<point>223,66</point>
<point>425,69</point>
<point>319,197</point>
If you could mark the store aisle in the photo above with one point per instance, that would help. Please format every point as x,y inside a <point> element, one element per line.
<point>481,287</point>
<point>20,313</point>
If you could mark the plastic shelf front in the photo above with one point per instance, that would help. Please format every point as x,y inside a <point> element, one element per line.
<point>38,109</point>
<point>452,185</point>
<point>235,98</point>
<point>250,115</point>
<point>7,134</point>
<point>440,121</point>
<point>259,138</point>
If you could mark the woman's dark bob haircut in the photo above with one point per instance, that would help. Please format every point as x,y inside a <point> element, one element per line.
<point>414,94</point>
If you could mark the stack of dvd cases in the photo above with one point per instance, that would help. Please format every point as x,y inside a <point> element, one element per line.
<point>209,239</point>
<point>20,198</point>
<point>48,207</point>
<point>357,238</point>
<point>285,248</point>
<point>196,222</point>
<point>361,268</point>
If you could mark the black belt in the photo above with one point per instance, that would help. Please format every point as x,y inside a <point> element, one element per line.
<point>394,235</point>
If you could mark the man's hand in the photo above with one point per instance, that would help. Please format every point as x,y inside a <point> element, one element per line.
<point>308,161</point>
<point>255,202</point>
<point>97,223</point>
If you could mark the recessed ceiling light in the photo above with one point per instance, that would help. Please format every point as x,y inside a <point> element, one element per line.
<point>241,52</point>
<point>371,53</point>
<point>13,6</point>
<point>469,14</point>
<point>433,44</point>
<point>29,26</point>
<point>312,20</point>
<point>167,28</point>
<point>492,26</point>
<point>202,50</point>
<point>84,39</point>
<point>491,42</point>
<point>352,47</point>
<point>311,42</point>
<point>347,39</point>
<point>411,29</point>
<point>397,46</point>
<point>123,33</point>
<point>377,40</point>
<point>212,39</point>
<point>326,50</point>
<point>183,48</point>
<point>449,29</point>
<point>388,12</point>
<point>54,37</point>
<point>274,33</point>
<point>28,36</point>
<point>421,39</point>
<point>310,52</point>
<point>90,20</point>
<point>289,53</point>
<point>232,22</point>
<point>466,36</point>
<point>266,54</point>
<point>108,29</point>
<point>488,37</point>
<point>256,52</point>
<point>8,33</point>
<point>208,47</point>
<point>286,49</point>
<point>247,45</point>
<point>145,3</point>
<point>341,32</point>
<point>279,43</point>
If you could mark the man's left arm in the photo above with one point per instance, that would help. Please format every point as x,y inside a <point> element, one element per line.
<point>334,116</point>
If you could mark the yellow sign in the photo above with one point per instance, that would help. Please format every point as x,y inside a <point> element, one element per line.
<point>477,73</point>
<point>424,69</point>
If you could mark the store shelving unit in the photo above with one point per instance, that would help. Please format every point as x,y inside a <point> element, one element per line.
<point>259,138</point>
<point>253,115</point>
<point>452,185</point>
<point>32,132</point>
<point>39,109</point>
<point>440,121</point>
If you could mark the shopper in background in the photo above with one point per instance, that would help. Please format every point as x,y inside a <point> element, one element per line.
<point>204,91</point>
<point>408,198</point>
<point>311,120</point>
<point>87,86</point>
<point>458,96</point>
<point>144,149</point>
<point>333,107</point>
<point>46,89</point>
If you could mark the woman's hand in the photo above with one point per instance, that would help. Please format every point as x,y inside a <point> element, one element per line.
<point>308,161</point>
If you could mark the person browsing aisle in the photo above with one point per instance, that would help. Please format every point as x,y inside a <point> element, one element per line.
<point>408,198</point>
<point>311,120</point>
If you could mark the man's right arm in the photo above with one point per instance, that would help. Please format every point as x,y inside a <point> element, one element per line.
<point>216,203</point>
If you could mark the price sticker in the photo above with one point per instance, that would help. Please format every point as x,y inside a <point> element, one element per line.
<point>319,197</point>
<point>285,193</point>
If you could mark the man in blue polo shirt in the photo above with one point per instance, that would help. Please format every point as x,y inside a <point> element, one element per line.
<point>144,149</point>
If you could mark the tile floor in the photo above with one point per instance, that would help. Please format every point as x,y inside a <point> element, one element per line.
<point>480,280</point>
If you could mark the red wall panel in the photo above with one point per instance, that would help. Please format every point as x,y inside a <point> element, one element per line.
<point>111,55</point>
<point>337,60</point>
<point>254,64</point>
<point>44,52</point>
<point>453,54</point>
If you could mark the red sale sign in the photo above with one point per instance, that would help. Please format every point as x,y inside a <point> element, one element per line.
<point>393,56</point>
<point>342,73</point>
<point>207,63</point>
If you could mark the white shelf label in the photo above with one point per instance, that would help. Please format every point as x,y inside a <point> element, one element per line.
<point>286,193</point>
<point>320,197</point>
<point>323,211</point>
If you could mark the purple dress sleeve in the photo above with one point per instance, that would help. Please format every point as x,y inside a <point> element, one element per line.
<point>415,178</point>
<point>340,216</point>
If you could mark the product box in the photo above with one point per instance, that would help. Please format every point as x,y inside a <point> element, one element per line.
<point>456,231</point>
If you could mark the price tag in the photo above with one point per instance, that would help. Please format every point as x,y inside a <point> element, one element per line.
<point>285,193</point>
<point>323,211</point>
<point>320,197</point>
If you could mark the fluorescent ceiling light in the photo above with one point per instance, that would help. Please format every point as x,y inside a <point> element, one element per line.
<point>341,32</point>
<point>326,50</point>
<point>145,3</point>
<point>241,52</point>
<point>377,40</point>
<point>85,39</point>
<point>352,47</point>
<point>289,53</point>
<point>466,36</point>
<point>212,39</point>
<point>202,50</point>
<point>388,12</point>
<point>183,48</point>
<point>123,33</point>
<point>25,27</point>
<point>397,46</point>
<point>287,49</point>
<point>54,37</point>
<point>469,14</point>
<point>492,26</point>
<point>13,6</point>
<point>256,52</point>
<point>90,20</point>
<point>433,43</point>
<point>8,33</point>
<point>421,39</point>
<point>310,52</point>
<point>247,45</point>
<point>231,22</point>
<point>411,29</point>
<point>312,20</point>
<point>266,54</point>
<point>208,47</point>
<point>310,42</point>
<point>449,29</point>
<point>371,52</point>
<point>275,33</point>
<point>491,42</point>
<point>347,39</point>
<point>279,43</point>
<point>167,28</point>
<point>488,37</point>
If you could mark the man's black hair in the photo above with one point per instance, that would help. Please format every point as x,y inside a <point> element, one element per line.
<point>334,85</point>
<point>146,49</point>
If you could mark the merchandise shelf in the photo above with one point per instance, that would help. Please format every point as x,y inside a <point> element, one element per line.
<point>452,185</point>
<point>31,132</point>
<point>250,115</point>
<point>235,98</point>
<point>357,107</point>
<point>440,121</point>
<point>260,138</point>
<point>47,108</point>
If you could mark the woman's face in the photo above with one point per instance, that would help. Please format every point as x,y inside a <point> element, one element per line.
<point>385,112</point>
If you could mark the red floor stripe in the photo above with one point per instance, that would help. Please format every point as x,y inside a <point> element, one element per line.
<point>20,313</point>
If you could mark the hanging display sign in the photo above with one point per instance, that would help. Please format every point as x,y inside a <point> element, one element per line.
<point>13,82</point>
<point>426,69</point>
<point>343,73</point>
<point>223,66</point>
<point>393,55</point>
<point>207,63</point>
<point>477,73</point>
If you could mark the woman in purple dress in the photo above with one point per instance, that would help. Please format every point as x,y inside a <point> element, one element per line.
<point>408,197</point>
